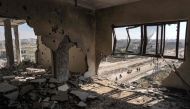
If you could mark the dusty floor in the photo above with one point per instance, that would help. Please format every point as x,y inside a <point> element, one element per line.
<point>113,97</point>
<point>29,86</point>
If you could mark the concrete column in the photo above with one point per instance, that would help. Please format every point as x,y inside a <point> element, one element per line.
<point>17,44</point>
<point>61,60</point>
<point>8,43</point>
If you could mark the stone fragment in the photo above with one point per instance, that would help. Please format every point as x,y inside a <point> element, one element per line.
<point>9,77</point>
<point>42,80</point>
<point>63,88</point>
<point>48,105</point>
<point>52,91</point>
<point>53,80</point>
<point>35,71</point>
<point>26,89</point>
<point>47,99</point>
<point>12,95</point>
<point>81,95</point>
<point>92,97</point>
<point>52,85</point>
<point>5,87</point>
<point>61,96</point>
<point>81,104</point>
<point>33,96</point>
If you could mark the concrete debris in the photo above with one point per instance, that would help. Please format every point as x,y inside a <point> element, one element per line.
<point>81,95</point>
<point>42,80</point>
<point>8,77</point>
<point>61,96</point>
<point>63,88</point>
<point>53,80</point>
<point>81,104</point>
<point>26,89</point>
<point>52,85</point>
<point>45,92</point>
<point>92,97</point>
<point>12,95</point>
<point>47,99</point>
<point>5,88</point>
<point>49,105</point>
<point>35,71</point>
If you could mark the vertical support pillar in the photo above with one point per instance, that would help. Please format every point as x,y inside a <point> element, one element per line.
<point>9,43</point>
<point>61,60</point>
<point>17,44</point>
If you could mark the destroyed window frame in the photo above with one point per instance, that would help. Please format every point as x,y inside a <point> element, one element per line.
<point>144,39</point>
<point>115,39</point>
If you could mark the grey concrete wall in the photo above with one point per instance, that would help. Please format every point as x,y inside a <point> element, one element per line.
<point>77,60</point>
<point>44,55</point>
<point>145,11</point>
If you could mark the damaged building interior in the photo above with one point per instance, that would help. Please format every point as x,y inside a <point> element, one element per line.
<point>96,54</point>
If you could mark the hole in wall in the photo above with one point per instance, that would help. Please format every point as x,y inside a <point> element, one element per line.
<point>27,41</point>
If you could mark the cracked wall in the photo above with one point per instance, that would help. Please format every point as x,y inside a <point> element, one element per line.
<point>53,21</point>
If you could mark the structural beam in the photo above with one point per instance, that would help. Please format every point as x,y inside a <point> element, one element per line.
<point>17,44</point>
<point>8,43</point>
<point>61,60</point>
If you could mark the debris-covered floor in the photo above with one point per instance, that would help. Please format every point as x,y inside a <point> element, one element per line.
<point>28,86</point>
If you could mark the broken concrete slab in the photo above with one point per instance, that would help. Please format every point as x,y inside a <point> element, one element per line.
<point>52,85</point>
<point>82,104</point>
<point>9,77</point>
<point>61,96</point>
<point>81,95</point>
<point>26,89</point>
<point>41,80</point>
<point>47,99</point>
<point>35,71</point>
<point>52,91</point>
<point>63,88</point>
<point>5,87</point>
<point>53,80</point>
<point>48,105</point>
<point>12,95</point>
<point>92,97</point>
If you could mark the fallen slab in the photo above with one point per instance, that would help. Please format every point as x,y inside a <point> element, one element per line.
<point>81,95</point>
<point>5,87</point>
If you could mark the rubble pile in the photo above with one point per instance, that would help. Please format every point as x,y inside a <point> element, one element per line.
<point>35,88</point>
